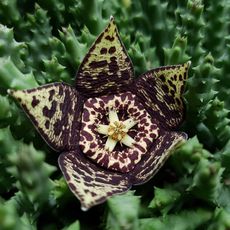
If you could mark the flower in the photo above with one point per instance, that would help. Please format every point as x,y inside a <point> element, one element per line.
<point>113,131</point>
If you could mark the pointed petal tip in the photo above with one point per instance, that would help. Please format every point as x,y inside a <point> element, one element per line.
<point>189,63</point>
<point>15,93</point>
<point>84,209</point>
<point>111,18</point>
<point>10,91</point>
<point>185,136</point>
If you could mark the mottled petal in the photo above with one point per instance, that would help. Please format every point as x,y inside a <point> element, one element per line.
<point>90,183</point>
<point>122,158</point>
<point>158,154</point>
<point>106,68</point>
<point>160,90</point>
<point>55,110</point>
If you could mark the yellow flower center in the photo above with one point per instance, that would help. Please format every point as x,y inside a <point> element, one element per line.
<point>117,131</point>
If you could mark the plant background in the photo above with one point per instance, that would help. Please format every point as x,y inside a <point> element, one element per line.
<point>44,41</point>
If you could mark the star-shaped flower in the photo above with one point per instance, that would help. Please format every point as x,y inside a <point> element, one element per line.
<point>113,131</point>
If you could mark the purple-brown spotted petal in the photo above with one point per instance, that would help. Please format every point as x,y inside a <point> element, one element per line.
<point>160,90</point>
<point>90,183</point>
<point>161,149</point>
<point>106,68</point>
<point>55,110</point>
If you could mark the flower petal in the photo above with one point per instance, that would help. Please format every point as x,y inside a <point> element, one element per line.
<point>106,68</point>
<point>160,90</point>
<point>55,110</point>
<point>158,154</point>
<point>90,183</point>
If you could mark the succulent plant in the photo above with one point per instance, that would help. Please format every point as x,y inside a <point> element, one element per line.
<point>42,42</point>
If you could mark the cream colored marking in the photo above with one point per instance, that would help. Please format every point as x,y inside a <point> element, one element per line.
<point>113,115</point>
<point>110,144</point>
<point>128,141</point>
<point>129,123</point>
<point>117,131</point>
<point>103,129</point>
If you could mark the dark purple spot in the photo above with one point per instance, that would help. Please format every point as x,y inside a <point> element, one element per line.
<point>113,58</point>
<point>153,135</point>
<point>134,155</point>
<point>60,91</point>
<point>93,194</point>
<point>47,124</point>
<point>87,135</point>
<point>51,94</point>
<point>172,85</point>
<point>101,103</point>
<point>142,134</point>
<point>141,117</point>
<point>123,97</point>
<point>117,103</point>
<point>141,129</point>
<point>57,127</point>
<point>112,49</point>
<point>127,59</point>
<point>72,186</point>
<point>140,147</point>
<point>93,145</point>
<point>162,77</point>
<point>34,102</point>
<point>178,101</point>
<point>98,41</point>
<point>88,104</point>
<point>86,115</point>
<point>67,177</point>
<point>100,180</point>
<point>103,51</point>
<point>172,92</point>
<point>136,112</point>
<point>50,112</point>
<point>109,38</point>
<point>98,64</point>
